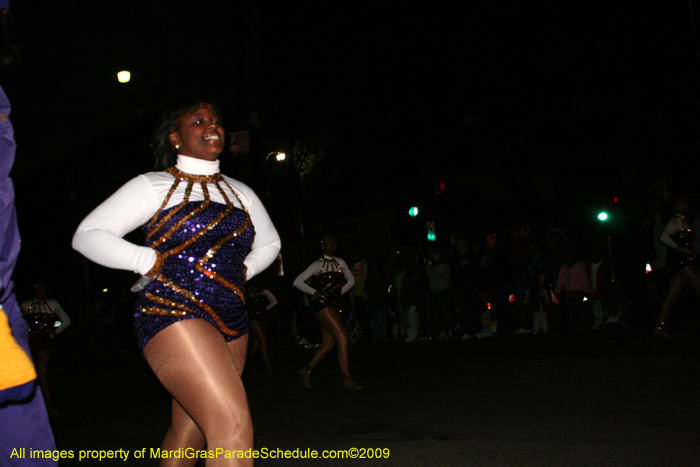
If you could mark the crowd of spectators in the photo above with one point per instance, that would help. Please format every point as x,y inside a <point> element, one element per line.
<point>467,289</point>
<point>512,283</point>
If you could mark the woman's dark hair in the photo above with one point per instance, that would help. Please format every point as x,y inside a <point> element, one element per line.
<point>326,237</point>
<point>164,154</point>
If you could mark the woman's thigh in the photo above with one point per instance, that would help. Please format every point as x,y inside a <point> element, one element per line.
<point>331,322</point>
<point>239,349</point>
<point>198,368</point>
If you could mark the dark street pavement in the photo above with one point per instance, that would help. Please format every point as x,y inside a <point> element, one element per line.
<point>610,398</point>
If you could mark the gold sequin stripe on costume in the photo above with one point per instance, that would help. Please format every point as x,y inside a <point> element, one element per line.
<point>164,238</point>
<point>165,201</point>
<point>162,312</point>
<point>181,310</point>
<point>213,250</point>
<point>153,230</point>
<point>220,324</point>
<point>234,194</point>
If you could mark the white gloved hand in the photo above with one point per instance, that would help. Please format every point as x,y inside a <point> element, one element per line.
<point>141,284</point>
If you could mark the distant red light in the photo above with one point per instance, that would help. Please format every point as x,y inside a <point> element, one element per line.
<point>615,199</point>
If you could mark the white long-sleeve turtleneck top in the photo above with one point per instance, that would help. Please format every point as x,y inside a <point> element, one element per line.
<point>99,235</point>
<point>325,264</point>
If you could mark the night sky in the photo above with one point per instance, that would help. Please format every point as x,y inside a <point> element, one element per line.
<point>523,111</point>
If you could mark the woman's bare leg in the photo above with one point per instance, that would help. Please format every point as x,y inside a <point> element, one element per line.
<point>184,432</point>
<point>675,288</point>
<point>201,371</point>
<point>691,276</point>
<point>327,344</point>
<point>332,324</point>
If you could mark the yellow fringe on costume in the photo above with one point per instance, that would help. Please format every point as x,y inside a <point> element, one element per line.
<point>15,366</point>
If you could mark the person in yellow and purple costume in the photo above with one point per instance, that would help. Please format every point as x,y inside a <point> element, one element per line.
<point>24,421</point>
<point>206,235</point>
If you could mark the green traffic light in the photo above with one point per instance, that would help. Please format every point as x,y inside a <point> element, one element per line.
<point>413,212</point>
<point>603,216</point>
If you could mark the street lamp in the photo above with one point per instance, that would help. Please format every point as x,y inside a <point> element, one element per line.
<point>124,76</point>
<point>280,156</point>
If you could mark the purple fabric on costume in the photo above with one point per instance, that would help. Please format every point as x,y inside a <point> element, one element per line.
<point>25,424</point>
<point>200,281</point>
<point>677,260</point>
<point>16,393</point>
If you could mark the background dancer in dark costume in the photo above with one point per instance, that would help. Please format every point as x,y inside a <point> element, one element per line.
<point>260,303</point>
<point>206,235</point>
<point>678,236</point>
<point>329,272</point>
<point>46,320</point>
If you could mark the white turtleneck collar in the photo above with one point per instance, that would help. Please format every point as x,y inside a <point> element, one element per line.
<point>193,166</point>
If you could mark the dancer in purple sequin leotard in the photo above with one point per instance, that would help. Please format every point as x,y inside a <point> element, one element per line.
<point>206,234</point>
<point>330,272</point>
<point>678,236</point>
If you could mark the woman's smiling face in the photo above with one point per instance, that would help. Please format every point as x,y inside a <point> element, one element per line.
<point>199,134</point>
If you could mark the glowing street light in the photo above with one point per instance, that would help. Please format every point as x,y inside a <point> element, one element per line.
<point>603,216</point>
<point>124,76</point>
<point>280,156</point>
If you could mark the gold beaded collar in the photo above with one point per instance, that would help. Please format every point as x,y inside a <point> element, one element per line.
<point>195,178</point>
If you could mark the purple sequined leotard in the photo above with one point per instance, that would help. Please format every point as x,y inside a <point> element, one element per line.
<point>204,245</point>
